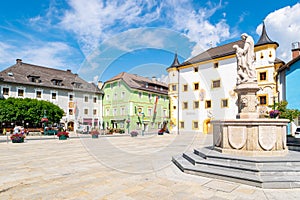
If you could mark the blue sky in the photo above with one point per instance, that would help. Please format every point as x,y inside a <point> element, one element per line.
<point>99,39</point>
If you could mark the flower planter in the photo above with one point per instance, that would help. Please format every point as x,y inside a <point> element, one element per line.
<point>18,140</point>
<point>95,136</point>
<point>62,137</point>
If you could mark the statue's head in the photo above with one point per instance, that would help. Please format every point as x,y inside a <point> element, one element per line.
<point>244,36</point>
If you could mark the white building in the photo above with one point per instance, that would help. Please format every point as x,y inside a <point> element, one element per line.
<point>202,88</point>
<point>80,100</point>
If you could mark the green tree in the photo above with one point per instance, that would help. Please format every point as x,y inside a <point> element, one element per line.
<point>29,110</point>
<point>286,113</point>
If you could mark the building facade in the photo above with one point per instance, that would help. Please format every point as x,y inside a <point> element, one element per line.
<point>80,100</point>
<point>132,102</point>
<point>288,83</point>
<point>202,88</point>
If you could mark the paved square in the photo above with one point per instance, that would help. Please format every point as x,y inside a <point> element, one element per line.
<point>113,168</point>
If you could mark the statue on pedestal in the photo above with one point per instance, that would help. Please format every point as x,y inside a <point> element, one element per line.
<point>245,58</point>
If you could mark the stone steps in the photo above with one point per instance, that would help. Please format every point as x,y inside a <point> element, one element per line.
<point>266,172</point>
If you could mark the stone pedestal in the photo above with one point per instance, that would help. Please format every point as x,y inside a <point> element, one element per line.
<point>247,101</point>
<point>255,137</point>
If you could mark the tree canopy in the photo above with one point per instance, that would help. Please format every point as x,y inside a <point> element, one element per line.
<point>286,113</point>
<point>29,110</point>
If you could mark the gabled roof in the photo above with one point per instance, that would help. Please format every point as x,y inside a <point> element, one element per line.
<point>264,38</point>
<point>289,64</point>
<point>20,73</point>
<point>138,82</point>
<point>215,52</point>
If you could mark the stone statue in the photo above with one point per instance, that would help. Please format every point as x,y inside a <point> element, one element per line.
<point>245,58</point>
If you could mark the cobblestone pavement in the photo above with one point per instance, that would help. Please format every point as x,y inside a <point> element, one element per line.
<point>114,168</point>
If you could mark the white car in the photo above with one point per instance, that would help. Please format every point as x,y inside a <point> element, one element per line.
<point>297,132</point>
<point>83,129</point>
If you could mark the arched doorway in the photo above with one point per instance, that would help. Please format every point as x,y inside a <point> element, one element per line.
<point>206,126</point>
<point>70,126</point>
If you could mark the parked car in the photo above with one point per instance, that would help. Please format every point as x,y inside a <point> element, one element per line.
<point>83,129</point>
<point>297,132</point>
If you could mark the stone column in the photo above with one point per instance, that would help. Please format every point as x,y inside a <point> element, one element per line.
<point>247,101</point>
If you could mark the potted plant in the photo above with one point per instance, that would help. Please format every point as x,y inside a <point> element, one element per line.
<point>95,133</point>
<point>17,137</point>
<point>133,133</point>
<point>63,135</point>
<point>274,113</point>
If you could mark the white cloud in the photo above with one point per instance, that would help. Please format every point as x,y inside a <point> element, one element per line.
<point>52,54</point>
<point>283,26</point>
<point>93,21</point>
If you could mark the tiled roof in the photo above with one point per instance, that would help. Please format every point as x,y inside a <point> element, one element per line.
<point>264,38</point>
<point>21,73</point>
<point>287,65</point>
<point>175,62</point>
<point>138,82</point>
<point>215,52</point>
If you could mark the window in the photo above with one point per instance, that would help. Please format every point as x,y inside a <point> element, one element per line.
<point>164,113</point>
<point>195,69</point>
<point>95,112</point>
<point>86,99</point>
<point>263,76</point>
<point>38,94</point>
<point>146,85</point>
<point>57,82</point>
<point>216,83</point>
<point>261,55</point>
<point>224,103</point>
<point>149,112</point>
<point>70,111</point>
<point>95,99</point>
<point>123,95</point>
<point>185,105</point>
<point>195,125</point>
<point>20,92</point>
<point>181,124</point>
<point>114,112</point>
<point>5,91</point>
<point>122,111</point>
<point>53,95</point>
<point>140,95</point>
<point>216,65</point>
<point>86,111</point>
<point>185,87</point>
<point>107,97</point>
<point>155,87</point>
<point>174,107</point>
<point>71,97</point>
<point>208,104</point>
<point>196,86</point>
<point>263,100</point>
<point>196,104</point>
<point>119,83</point>
<point>107,112</point>
<point>149,96</point>
<point>34,79</point>
<point>115,96</point>
<point>174,88</point>
<point>161,89</point>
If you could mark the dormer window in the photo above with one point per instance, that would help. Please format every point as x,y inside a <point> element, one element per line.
<point>57,82</point>
<point>76,84</point>
<point>146,85</point>
<point>34,79</point>
<point>10,74</point>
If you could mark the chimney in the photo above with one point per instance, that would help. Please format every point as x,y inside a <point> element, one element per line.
<point>19,61</point>
<point>153,78</point>
<point>68,70</point>
<point>295,49</point>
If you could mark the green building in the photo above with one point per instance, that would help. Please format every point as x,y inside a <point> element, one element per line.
<point>132,102</point>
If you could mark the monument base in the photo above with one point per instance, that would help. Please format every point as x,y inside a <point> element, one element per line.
<point>255,137</point>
